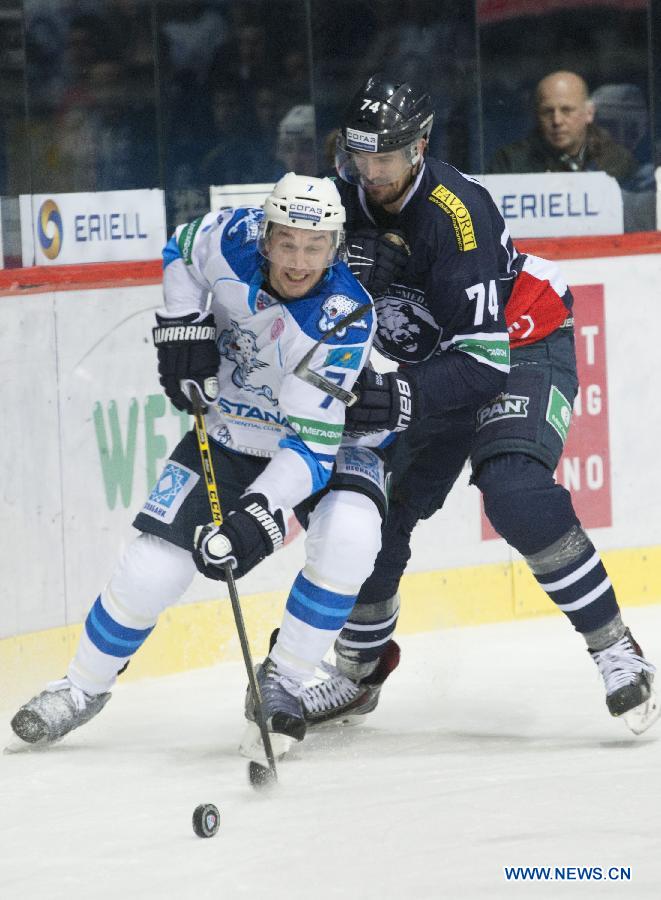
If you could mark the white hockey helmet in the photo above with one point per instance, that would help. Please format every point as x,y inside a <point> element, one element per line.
<point>304,202</point>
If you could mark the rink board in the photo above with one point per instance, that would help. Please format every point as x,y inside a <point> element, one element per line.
<point>87,430</point>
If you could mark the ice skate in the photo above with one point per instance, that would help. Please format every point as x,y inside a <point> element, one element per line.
<point>628,678</point>
<point>282,711</point>
<point>342,700</point>
<point>54,712</point>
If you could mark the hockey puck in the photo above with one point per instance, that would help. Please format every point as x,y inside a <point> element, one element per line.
<point>260,776</point>
<point>206,820</point>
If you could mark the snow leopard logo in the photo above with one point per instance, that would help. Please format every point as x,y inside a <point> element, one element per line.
<point>334,309</point>
<point>249,224</point>
<point>240,347</point>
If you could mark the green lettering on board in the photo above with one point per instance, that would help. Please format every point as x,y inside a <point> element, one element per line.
<point>117,459</point>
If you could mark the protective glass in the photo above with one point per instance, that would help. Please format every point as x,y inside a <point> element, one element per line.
<point>360,167</point>
<point>300,248</point>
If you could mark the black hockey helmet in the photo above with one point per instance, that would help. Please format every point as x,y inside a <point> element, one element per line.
<point>384,115</point>
<point>393,113</point>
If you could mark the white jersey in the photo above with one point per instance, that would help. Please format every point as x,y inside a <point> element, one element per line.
<point>264,409</point>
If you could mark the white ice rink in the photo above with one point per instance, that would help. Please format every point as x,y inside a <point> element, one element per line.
<point>491,747</point>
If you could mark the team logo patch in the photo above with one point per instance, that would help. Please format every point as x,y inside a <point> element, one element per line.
<point>348,358</point>
<point>558,412</point>
<point>406,330</point>
<point>174,485</point>
<point>506,406</point>
<point>334,309</point>
<point>461,218</point>
<point>245,225</point>
<point>363,462</point>
<point>263,301</point>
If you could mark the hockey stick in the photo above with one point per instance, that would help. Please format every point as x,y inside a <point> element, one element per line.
<point>306,374</point>
<point>258,774</point>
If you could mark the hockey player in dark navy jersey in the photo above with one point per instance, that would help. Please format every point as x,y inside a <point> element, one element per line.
<point>444,318</point>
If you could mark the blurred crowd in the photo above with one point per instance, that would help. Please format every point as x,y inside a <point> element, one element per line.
<point>114,94</point>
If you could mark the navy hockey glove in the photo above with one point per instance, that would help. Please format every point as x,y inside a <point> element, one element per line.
<point>187,350</point>
<point>385,402</point>
<point>377,259</point>
<point>248,535</point>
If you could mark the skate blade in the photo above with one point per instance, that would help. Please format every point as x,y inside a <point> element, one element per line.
<point>252,746</point>
<point>350,720</point>
<point>640,718</point>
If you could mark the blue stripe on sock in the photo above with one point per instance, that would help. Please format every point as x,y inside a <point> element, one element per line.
<point>109,636</point>
<point>317,606</point>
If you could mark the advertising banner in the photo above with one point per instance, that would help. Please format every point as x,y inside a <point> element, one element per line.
<point>88,228</point>
<point>554,204</point>
<point>83,449</point>
<point>238,194</point>
<point>544,204</point>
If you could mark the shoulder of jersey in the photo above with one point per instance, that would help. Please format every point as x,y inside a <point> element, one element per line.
<point>232,233</point>
<point>451,199</point>
<point>339,294</point>
<point>239,229</point>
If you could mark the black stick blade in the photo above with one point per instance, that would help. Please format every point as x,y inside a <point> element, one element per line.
<point>260,776</point>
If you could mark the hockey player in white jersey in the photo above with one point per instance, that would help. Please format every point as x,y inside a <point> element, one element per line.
<point>248,293</point>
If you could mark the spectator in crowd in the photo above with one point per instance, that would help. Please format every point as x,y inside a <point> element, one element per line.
<point>566,138</point>
<point>296,148</point>
<point>621,110</point>
<point>229,158</point>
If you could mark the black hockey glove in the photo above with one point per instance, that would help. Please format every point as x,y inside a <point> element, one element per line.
<point>377,259</point>
<point>187,349</point>
<point>248,535</point>
<point>385,402</point>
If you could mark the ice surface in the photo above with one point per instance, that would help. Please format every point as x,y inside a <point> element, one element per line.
<point>492,746</point>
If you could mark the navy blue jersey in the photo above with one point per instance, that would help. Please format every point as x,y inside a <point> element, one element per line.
<point>446,313</point>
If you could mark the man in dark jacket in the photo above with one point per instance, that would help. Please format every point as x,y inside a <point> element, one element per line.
<point>566,138</point>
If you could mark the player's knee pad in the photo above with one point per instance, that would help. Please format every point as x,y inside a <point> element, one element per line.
<point>151,575</point>
<point>343,539</point>
<point>523,502</point>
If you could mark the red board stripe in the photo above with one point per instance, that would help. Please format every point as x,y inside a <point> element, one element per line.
<point>71,278</point>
